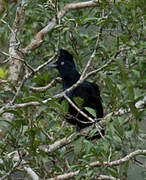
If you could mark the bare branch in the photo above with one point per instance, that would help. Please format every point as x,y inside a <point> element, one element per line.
<point>120,161</point>
<point>31,173</point>
<point>44,64</point>
<point>62,94</point>
<point>78,109</point>
<point>18,161</point>
<point>97,176</point>
<point>2,81</point>
<point>56,145</point>
<point>39,36</point>
<point>17,58</point>
<point>44,88</point>
<point>8,173</point>
<point>75,173</point>
<point>105,65</point>
<point>97,164</point>
<point>15,66</point>
<point>93,54</point>
<point>65,176</point>
<point>141,103</point>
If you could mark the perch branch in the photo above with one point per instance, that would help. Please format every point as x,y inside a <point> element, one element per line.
<point>66,91</point>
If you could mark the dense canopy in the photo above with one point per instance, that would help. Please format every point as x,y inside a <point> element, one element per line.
<point>108,43</point>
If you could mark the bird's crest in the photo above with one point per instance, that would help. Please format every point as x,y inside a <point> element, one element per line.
<point>65,54</point>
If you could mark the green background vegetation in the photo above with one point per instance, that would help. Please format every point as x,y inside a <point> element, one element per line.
<point>121,83</point>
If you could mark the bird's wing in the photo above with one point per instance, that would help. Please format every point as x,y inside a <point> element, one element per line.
<point>90,93</point>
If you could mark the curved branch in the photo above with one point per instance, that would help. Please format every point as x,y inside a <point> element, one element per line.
<point>38,39</point>
<point>65,176</point>
<point>120,161</point>
<point>97,164</point>
<point>56,145</point>
<point>44,88</point>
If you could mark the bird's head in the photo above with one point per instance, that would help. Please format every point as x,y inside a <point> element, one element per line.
<point>65,63</point>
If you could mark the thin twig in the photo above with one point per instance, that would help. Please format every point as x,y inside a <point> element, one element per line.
<point>18,90</point>
<point>18,58</point>
<point>93,54</point>
<point>44,64</point>
<point>48,86</point>
<point>78,109</point>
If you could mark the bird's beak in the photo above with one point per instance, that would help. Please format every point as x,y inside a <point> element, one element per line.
<point>54,64</point>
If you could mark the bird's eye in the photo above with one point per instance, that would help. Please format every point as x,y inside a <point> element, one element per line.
<point>62,63</point>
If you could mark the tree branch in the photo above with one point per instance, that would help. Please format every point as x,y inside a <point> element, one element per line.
<point>38,40</point>
<point>120,161</point>
<point>48,86</point>
<point>97,164</point>
<point>18,161</point>
<point>56,145</point>
<point>65,176</point>
<point>66,91</point>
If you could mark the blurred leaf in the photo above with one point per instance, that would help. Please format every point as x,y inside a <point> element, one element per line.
<point>3,73</point>
<point>42,79</point>
<point>131,92</point>
<point>117,139</point>
<point>90,19</point>
<point>93,132</point>
<point>31,99</point>
<point>79,101</point>
<point>91,111</point>
<point>64,106</point>
<point>133,109</point>
<point>51,124</point>
<point>78,145</point>
<point>15,112</point>
<point>65,29</point>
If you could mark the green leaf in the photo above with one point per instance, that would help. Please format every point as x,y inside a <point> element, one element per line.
<point>42,108</point>
<point>110,84</point>
<point>131,92</point>
<point>133,109</point>
<point>51,124</point>
<point>91,111</point>
<point>3,73</point>
<point>106,147</point>
<point>78,145</point>
<point>65,29</point>
<point>93,132</point>
<point>6,121</point>
<point>15,112</point>
<point>2,119</point>
<point>64,105</point>
<point>79,101</point>
<point>3,15</point>
<point>90,19</point>
<point>31,98</point>
<point>117,139</point>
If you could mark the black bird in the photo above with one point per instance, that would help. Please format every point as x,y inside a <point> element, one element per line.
<point>88,91</point>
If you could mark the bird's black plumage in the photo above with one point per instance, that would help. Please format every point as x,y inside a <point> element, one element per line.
<point>88,91</point>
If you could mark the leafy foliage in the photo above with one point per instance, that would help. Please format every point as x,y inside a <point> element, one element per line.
<point>121,83</point>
